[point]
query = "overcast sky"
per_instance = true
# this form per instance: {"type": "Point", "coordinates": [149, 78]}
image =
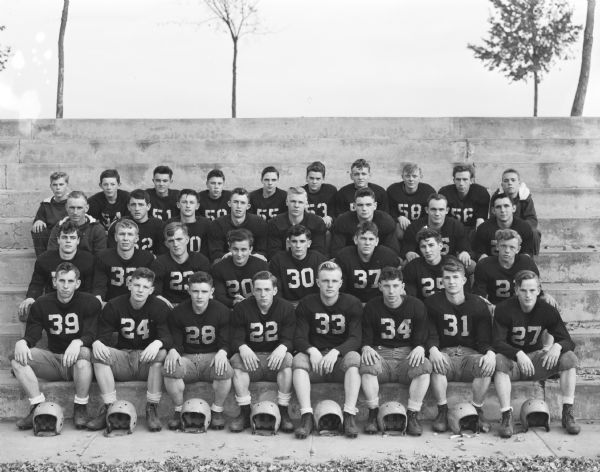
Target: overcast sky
{"type": "Point", "coordinates": [162, 59]}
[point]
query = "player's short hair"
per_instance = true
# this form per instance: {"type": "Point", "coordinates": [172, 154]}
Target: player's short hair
{"type": "Point", "coordinates": [507, 235]}
{"type": "Point", "coordinates": [298, 230]}
{"type": "Point", "coordinates": [470, 168]}
{"type": "Point", "coordinates": [452, 264]}
{"type": "Point", "coordinates": [68, 227]}
{"type": "Point", "coordinates": [360, 164]}
{"type": "Point", "coordinates": [215, 173]}
{"type": "Point", "coordinates": [240, 191]}
{"type": "Point", "coordinates": [173, 226]}
{"type": "Point", "coordinates": [126, 223]}
{"type": "Point", "coordinates": [77, 194]}
{"type": "Point", "coordinates": [499, 196]}
{"type": "Point", "coordinates": [411, 167]}
{"type": "Point", "coordinates": [268, 169]}
{"type": "Point", "coordinates": [296, 191]}
{"type": "Point", "coordinates": [139, 194]}
{"type": "Point", "coordinates": [239, 235]}
{"type": "Point", "coordinates": [316, 166]}
{"type": "Point", "coordinates": [328, 266]}
{"type": "Point", "coordinates": [511, 170]}
{"type": "Point", "coordinates": [426, 233]}
{"type": "Point", "coordinates": [390, 273]}
{"type": "Point", "coordinates": [67, 267]}
{"type": "Point", "coordinates": [144, 273]}
{"type": "Point", "coordinates": [163, 170]}
{"type": "Point", "coordinates": [436, 196]}
{"type": "Point", "coordinates": [110, 174]}
{"type": "Point", "coordinates": [200, 277]}
{"type": "Point", "coordinates": [264, 275]}
{"type": "Point", "coordinates": [187, 191]}
{"type": "Point", "coordinates": [59, 175]}
{"type": "Point", "coordinates": [366, 227]}
{"type": "Point", "coordinates": [364, 192]}
{"type": "Point", "coordinates": [523, 275]}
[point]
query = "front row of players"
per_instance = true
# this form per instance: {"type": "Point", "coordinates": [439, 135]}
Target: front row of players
{"type": "Point", "coordinates": [200, 341]}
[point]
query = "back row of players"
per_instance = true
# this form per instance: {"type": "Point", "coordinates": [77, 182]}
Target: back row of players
{"type": "Point", "coordinates": [300, 273]}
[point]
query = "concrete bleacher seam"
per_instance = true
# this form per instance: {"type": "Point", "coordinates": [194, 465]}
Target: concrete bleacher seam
{"type": "Point", "coordinates": [559, 159]}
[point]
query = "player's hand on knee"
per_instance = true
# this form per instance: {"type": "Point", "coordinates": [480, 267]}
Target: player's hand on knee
{"type": "Point", "coordinates": [72, 353]}
{"type": "Point", "coordinates": [550, 359]}
{"type": "Point", "coordinates": [220, 362]}
{"type": "Point", "coordinates": [249, 358]}
{"type": "Point", "coordinates": [172, 360]}
{"type": "Point", "coordinates": [525, 365]}
{"type": "Point", "coordinates": [369, 355]}
{"type": "Point", "coordinates": [315, 359]}
{"type": "Point", "coordinates": [416, 356]}
{"type": "Point", "coordinates": [101, 352]}
{"type": "Point", "coordinates": [24, 307]}
{"type": "Point", "coordinates": [275, 360]}
{"type": "Point", "coordinates": [328, 361]}
{"type": "Point", "coordinates": [22, 352]}
{"type": "Point", "coordinates": [487, 363]}
{"type": "Point", "coordinates": [149, 354]}
{"type": "Point", "coordinates": [437, 360]}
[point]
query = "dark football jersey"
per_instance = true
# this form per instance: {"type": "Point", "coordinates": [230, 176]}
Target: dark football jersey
{"type": "Point", "coordinates": [404, 326]}
{"type": "Point", "coordinates": [45, 265]}
{"type": "Point", "coordinates": [422, 279]}
{"type": "Point", "coordinates": [63, 322]}
{"type": "Point", "coordinates": [454, 239]}
{"type": "Point", "coordinates": [200, 334]}
{"type": "Point", "coordinates": [136, 328]}
{"type": "Point", "coordinates": [485, 237]}
{"type": "Point", "coordinates": [231, 280]}
{"type": "Point", "coordinates": [198, 233]}
{"type": "Point", "coordinates": [112, 273]}
{"type": "Point", "coordinates": [217, 234]}
{"type": "Point", "coordinates": [269, 207]}
{"type": "Point", "coordinates": [107, 213]}
{"type": "Point", "coordinates": [516, 331]}
{"type": "Point", "coordinates": [277, 232]}
{"type": "Point", "coordinates": [163, 208]}
{"type": "Point", "coordinates": [171, 277]}
{"type": "Point", "coordinates": [326, 327]}
{"type": "Point", "coordinates": [262, 333]}
{"type": "Point", "coordinates": [296, 278]}
{"type": "Point", "coordinates": [467, 210]}
{"type": "Point", "coordinates": [344, 198]}
{"type": "Point", "coordinates": [150, 236]}
{"type": "Point", "coordinates": [344, 228]}
{"type": "Point", "coordinates": [468, 324]}
{"type": "Point", "coordinates": [321, 203]}
{"type": "Point", "coordinates": [213, 208]}
{"type": "Point", "coordinates": [494, 282]}
{"type": "Point", "coordinates": [410, 205]}
{"type": "Point", "coordinates": [361, 279]}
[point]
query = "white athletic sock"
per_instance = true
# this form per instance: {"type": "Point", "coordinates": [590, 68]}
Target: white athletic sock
{"type": "Point", "coordinates": [81, 400]}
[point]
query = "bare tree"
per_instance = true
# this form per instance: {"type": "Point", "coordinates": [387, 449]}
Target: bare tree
{"type": "Point", "coordinates": [239, 18]}
{"type": "Point", "coordinates": [61, 59]}
{"type": "Point", "coordinates": [4, 52]}
{"type": "Point", "coordinates": [586, 60]}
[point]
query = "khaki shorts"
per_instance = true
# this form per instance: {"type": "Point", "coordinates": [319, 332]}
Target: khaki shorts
{"type": "Point", "coordinates": [126, 365]}
{"type": "Point", "coordinates": [263, 373]}
{"type": "Point", "coordinates": [197, 367]}
{"type": "Point", "coordinates": [351, 359]}
{"type": "Point", "coordinates": [393, 366]}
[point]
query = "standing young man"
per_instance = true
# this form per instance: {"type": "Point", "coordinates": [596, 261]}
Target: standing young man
{"type": "Point", "coordinates": [110, 204]}
{"type": "Point", "coordinates": [214, 201]}
{"type": "Point", "coordinates": [197, 226]}
{"type": "Point", "coordinates": [268, 201]}
{"type": "Point", "coordinates": [319, 193]}
{"type": "Point", "coordinates": [360, 174]}
{"type": "Point", "coordinates": [163, 199]}
{"type": "Point", "coordinates": [50, 211]}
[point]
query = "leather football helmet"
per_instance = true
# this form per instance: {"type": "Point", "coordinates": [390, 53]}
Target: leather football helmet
{"type": "Point", "coordinates": [534, 413]}
{"type": "Point", "coordinates": [463, 416]}
{"type": "Point", "coordinates": [48, 419]}
{"type": "Point", "coordinates": [329, 419]}
{"type": "Point", "coordinates": [265, 418]}
{"type": "Point", "coordinates": [121, 418]}
{"type": "Point", "coordinates": [195, 416]}
{"type": "Point", "coordinates": [391, 418]}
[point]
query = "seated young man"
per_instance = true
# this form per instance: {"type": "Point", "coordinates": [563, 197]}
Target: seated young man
{"type": "Point", "coordinates": [239, 217]}
{"type": "Point", "coordinates": [50, 211]}
{"type": "Point", "coordinates": [460, 342]}
{"type": "Point", "coordinates": [408, 199]}
{"type": "Point", "coordinates": [233, 275]}
{"type": "Point", "coordinates": [262, 332]}
{"type": "Point", "coordinates": [423, 275]}
{"type": "Point", "coordinates": [197, 226]}
{"type": "Point", "coordinates": [394, 332]}
{"type": "Point", "coordinates": [328, 336]}
{"type": "Point", "coordinates": [319, 193]}
{"type": "Point", "coordinates": [214, 201]}
{"type": "Point", "coordinates": [115, 265]}
{"type": "Point", "coordinates": [518, 325]}
{"type": "Point", "coordinates": [110, 204]}
{"type": "Point", "coordinates": [69, 319]}
{"type": "Point", "coordinates": [361, 264]}
{"type": "Point", "coordinates": [163, 199]}
{"type": "Point", "coordinates": [503, 217]}
{"type": "Point", "coordinates": [360, 174]}
{"type": "Point", "coordinates": [150, 229]}
{"type": "Point", "coordinates": [296, 214]}
{"type": "Point", "coordinates": [268, 201]}
{"type": "Point", "coordinates": [344, 227]}
{"type": "Point", "coordinates": [200, 330]}
{"type": "Point", "coordinates": [296, 267]}
{"type": "Point", "coordinates": [173, 268]}
{"type": "Point", "coordinates": [45, 267]}
{"type": "Point", "coordinates": [140, 320]}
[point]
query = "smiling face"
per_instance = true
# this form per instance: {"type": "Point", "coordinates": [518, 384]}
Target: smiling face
{"type": "Point", "coordinates": [188, 205]}
{"type": "Point", "coordinates": [240, 252]}
{"type": "Point", "coordinates": [162, 183]}
{"type": "Point", "coordinates": [411, 180]}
